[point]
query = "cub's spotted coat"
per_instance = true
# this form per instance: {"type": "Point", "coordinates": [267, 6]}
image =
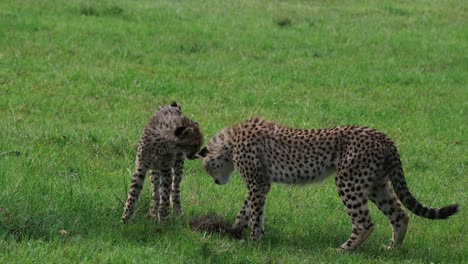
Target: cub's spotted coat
{"type": "Point", "coordinates": [366, 162]}
{"type": "Point", "coordinates": [167, 139]}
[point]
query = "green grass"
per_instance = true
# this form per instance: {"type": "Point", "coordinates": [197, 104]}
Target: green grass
{"type": "Point", "coordinates": [79, 79]}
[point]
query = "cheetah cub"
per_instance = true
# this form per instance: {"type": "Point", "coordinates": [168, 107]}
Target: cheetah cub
{"type": "Point", "coordinates": [366, 162]}
{"type": "Point", "coordinates": [168, 138]}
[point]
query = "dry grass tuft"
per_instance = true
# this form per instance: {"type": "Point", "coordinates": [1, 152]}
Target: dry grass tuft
{"type": "Point", "coordinates": [212, 223]}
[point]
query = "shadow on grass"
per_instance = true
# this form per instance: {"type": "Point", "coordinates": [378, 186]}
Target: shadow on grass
{"type": "Point", "coordinates": [319, 243]}
{"type": "Point", "coordinates": [143, 231]}
{"type": "Point", "coordinates": [315, 242]}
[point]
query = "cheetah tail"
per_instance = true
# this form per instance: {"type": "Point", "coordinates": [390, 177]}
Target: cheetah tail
{"type": "Point", "coordinates": [399, 184]}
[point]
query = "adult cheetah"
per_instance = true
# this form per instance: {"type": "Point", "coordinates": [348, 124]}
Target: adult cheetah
{"type": "Point", "coordinates": [168, 138]}
{"type": "Point", "coordinates": [366, 162]}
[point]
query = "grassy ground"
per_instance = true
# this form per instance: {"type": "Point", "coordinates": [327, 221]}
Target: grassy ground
{"type": "Point", "coordinates": [79, 79]}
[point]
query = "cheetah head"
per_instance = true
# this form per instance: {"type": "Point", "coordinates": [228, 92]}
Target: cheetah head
{"type": "Point", "coordinates": [189, 140]}
{"type": "Point", "coordinates": [217, 163]}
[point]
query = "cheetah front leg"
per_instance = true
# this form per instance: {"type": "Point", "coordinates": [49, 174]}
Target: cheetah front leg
{"type": "Point", "coordinates": [165, 181]}
{"type": "Point", "coordinates": [257, 205]}
{"type": "Point", "coordinates": [178, 173]}
{"type": "Point", "coordinates": [136, 186]}
{"type": "Point", "coordinates": [243, 217]}
{"type": "Point", "coordinates": [153, 210]}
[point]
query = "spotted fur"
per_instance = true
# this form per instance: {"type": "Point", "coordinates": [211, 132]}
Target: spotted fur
{"type": "Point", "coordinates": [168, 138]}
{"type": "Point", "coordinates": [366, 162]}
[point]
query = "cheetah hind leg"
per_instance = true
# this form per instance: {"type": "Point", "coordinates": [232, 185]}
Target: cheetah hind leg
{"type": "Point", "coordinates": [136, 186]}
{"type": "Point", "coordinates": [385, 199]}
{"type": "Point", "coordinates": [361, 221]}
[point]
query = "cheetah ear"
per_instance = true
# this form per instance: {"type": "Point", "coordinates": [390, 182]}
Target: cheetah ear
{"type": "Point", "coordinates": [183, 131]}
{"type": "Point", "coordinates": [203, 152]}
{"type": "Point", "coordinates": [174, 104]}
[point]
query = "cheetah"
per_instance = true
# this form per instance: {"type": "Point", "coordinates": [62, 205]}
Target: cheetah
{"type": "Point", "coordinates": [366, 162]}
{"type": "Point", "coordinates": [168, 138]}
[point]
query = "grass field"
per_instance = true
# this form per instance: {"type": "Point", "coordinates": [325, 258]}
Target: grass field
{"type": "Point", "coordinates": [79, 80]}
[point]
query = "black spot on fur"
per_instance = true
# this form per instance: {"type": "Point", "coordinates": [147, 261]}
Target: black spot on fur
{"type": "Point", "coordinates": [180, 130]}
{"type": "Point", "coordinates": [203, 152]}
{"type": "Point", "coordinates": [174, 104]}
